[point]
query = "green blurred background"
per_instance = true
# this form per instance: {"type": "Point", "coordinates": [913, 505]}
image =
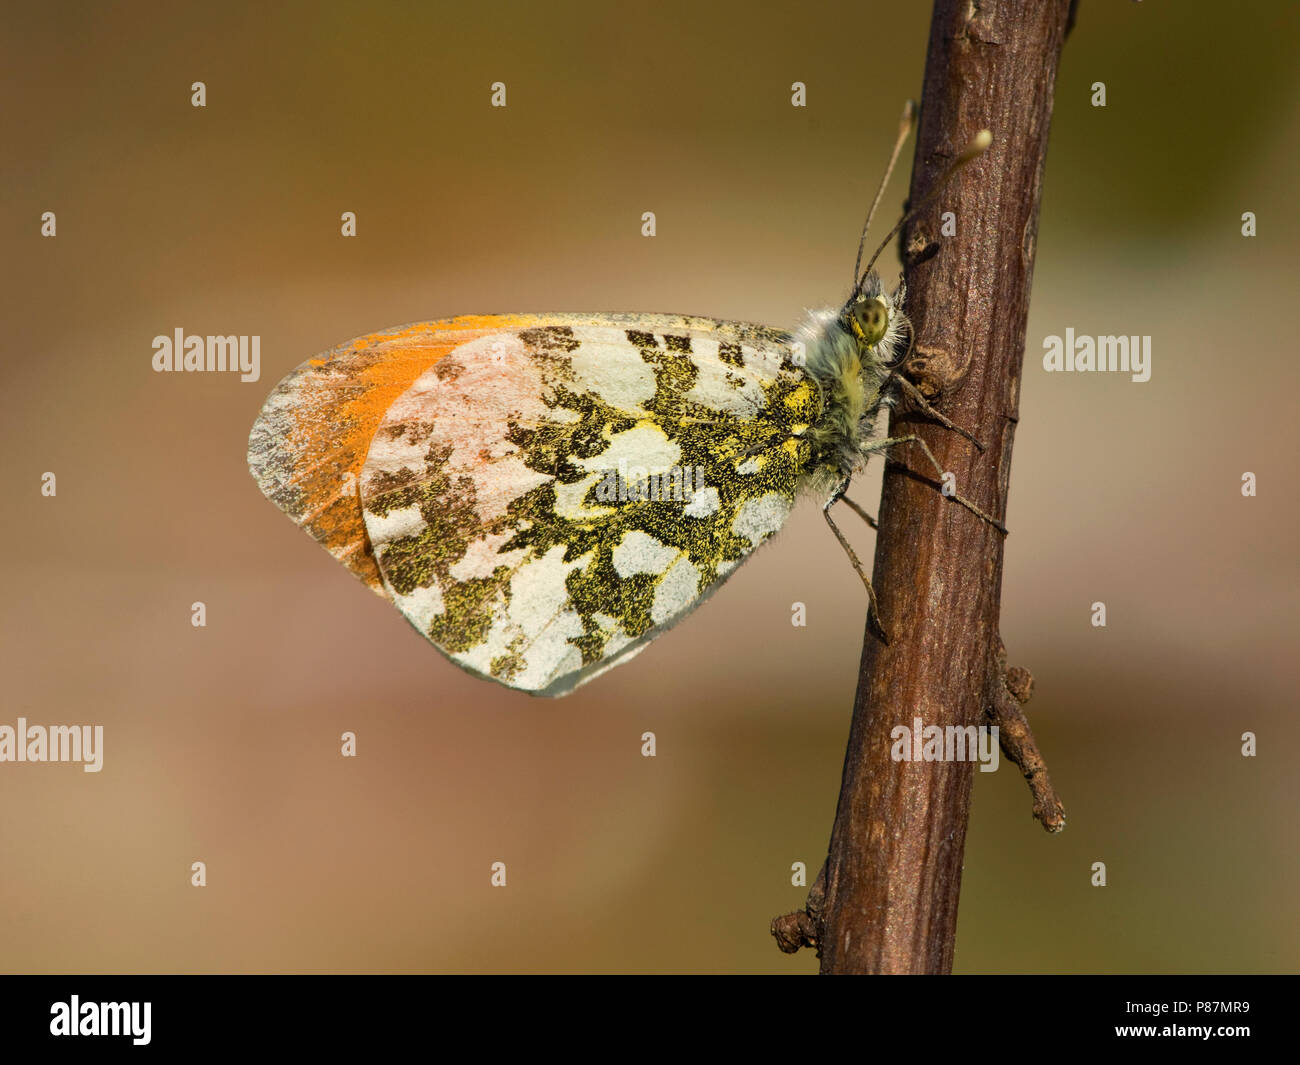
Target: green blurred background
{"type": "Point", "coordinates": [222, 743]}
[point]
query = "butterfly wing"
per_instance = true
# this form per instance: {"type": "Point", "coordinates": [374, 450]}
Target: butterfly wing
{"type": "Point", "coordinates": [508, 494]}
{"type": "Point", "coordinates": [309, 442]}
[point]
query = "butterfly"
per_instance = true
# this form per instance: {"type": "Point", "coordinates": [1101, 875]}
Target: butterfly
{"type": "Point", "coordinates": [541, 495]}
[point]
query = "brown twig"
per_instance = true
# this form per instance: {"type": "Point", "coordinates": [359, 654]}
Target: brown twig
{"type": "Point", "coordinates": [886, 900]}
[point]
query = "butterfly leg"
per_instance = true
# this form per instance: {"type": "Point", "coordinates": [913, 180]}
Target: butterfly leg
{"type": "Point", "coordinates": [888, 442]}
{"type": "Point", "coordinates": [873, 616]}
{"type": "Point", "coordinates": [860, 512]}
{"type": "Point", "coordinates": [922, 404]}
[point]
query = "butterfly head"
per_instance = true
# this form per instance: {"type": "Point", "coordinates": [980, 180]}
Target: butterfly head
{"type": "Point", "coordinates": [875, 320]}
{"type": "Point", "coordinates": [867, 318]}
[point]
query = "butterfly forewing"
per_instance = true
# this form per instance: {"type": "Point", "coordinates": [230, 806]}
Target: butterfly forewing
{"type": "Point", "coordinates": [309, 442]}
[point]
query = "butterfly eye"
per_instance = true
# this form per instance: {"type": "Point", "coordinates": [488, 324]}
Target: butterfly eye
{"type": "Point", "coordinates": [871, 320]}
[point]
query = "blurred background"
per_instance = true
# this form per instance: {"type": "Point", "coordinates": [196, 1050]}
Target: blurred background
{"type": "Point", "coordinates": [222, 743]}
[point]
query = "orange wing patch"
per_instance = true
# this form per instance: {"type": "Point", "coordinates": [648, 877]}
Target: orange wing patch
{"type": "Point", "coordinates": [310, 441]}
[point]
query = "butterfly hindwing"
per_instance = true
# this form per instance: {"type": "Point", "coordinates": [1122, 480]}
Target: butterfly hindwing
{"type": "Point", "coordinates": [547, 496]}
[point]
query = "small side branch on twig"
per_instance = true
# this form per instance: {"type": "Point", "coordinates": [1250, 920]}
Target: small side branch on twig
{"type": "Point", "coordinates": [803, 928]}
{"type": "Point", "coordinates": [1011, 690]}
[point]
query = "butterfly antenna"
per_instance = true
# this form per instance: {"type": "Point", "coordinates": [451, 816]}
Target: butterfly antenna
{"type": "Point", "coordinates": [974, 150]}
{"type": "Point", "coordinates": [905, 125]}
